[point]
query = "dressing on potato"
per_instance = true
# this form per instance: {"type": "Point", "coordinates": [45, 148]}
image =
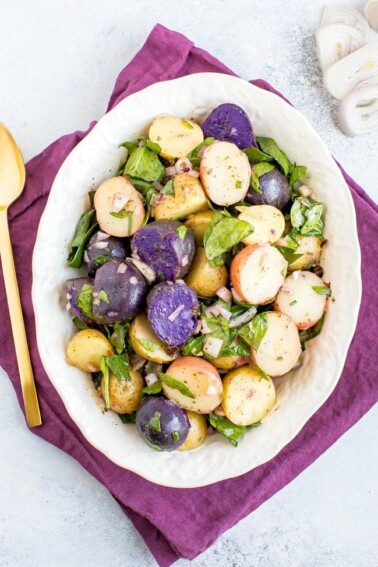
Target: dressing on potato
{"type": "Point", "coordinates": [188, 198]}
{"type": "Point", "coordinates": [124, 395]}
{"type": "Point", "coordinates": [86, 348]}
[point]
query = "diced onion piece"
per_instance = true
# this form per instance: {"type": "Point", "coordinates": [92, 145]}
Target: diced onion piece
{"type": "Point", "coordinates": [170, 171]}
{"type": "Point", "coordinates": [225, 294]}
{"type": "Point", "coordinates": [226, 314]}
{"type": "Point", "coordinates": [119, 202]}
{"type": "Point", "coordinates": [183, 165]}
{"type": "Point", "coordinates": [144, 269]}
{"type": "Point", "coordinates": [243, 318]}
{"type": "Point", "coordinates": [358, 69]}
{"type": "Point", "coordinates": [303, 191]}
{"type": "Point", "coordinates": [219, 411]}
{"type": "Point", "coordinates": [358, 112]}
{"type": "Point", "coordinates": [173, 316]}
{"type": "Point", "coordinates": [121, 268]}
{"type": "Point", "coordinates": [151, 379]}
{"type": "Point", "coordinates": [133, 280]}
{"type": "Point", "coordinates": [193, 173]}
{"type": "Point", "coordinates": [235, 295]}
{"type": "Point", "coordinates": [371, 13]}
{"type": "Point", "coordinates": [213, 346]}
{"type": "Point", "coordinates": [102, 236]}
{"type": "Point", "coordinates": [101, 245]}
{"type": "Point", "coordinates": [339, 14]}
{"type": "Point", "coordinates": [336, 41]}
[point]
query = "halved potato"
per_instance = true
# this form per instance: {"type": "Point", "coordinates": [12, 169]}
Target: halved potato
{"type": "Point", "coordinates": [176, 136]}
{"type": "Point", "coordinates": [86, 348]}
{"type": "Point", "coordinates": [189, 198]}
{"type": "Point", "coordinates": [197, 431]}
{"type": "Point", "coordinates": [124, 395]}
{"type": "Point", "coordinates": [201, 378]}
{"type": "Point", "coordinates": [203, 278]}
{"type": "Point", "coordinates": [310, 248]}
{"type": "Point", "coordinates": [198, 224]}
{"type": "Point", "coordinates": [249, 395]}
{"type": "Point", "coordinates": [119, 207]}
{"type": "Point", "coordinates": [268, 223]}
{"type": "Point", "coordinates": [146, 343]}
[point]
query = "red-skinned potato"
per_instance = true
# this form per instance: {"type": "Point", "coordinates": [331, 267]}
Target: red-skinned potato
{"type": "Point", "coordinates": [257, 273]}
{"type": "Point", "coordinates": [201, 378]}
{"type": "Point", "coordinates": [119, 207]}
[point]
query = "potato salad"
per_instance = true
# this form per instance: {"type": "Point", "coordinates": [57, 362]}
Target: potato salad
{"type": "Point", "coordinates": [203, 279]}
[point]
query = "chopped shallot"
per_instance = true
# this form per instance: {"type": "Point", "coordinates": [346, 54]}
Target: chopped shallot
{"type": "Point", "coordinates": [119, 202]}
{"type": "Point", "coordinates": [151, 379]}
{"type": "Point", "coordinates": [183, 165]}
{"type": "Point", "coordinates": [213, 346]}
{"type": "Point", "coordinates": [91, 368]}
{"type": "Point", "coordinates": [304, 191]}
{"type": "Point", "coordinates": [170, 171]}
{"type": "Point", "coordinates": [219, 411]}
{"type": "Point", "coordinates": [145, 269]}
{"type": "Point", "coordinates": [101, 245]}
{"type": "Point", "coordinates": [102, 236]}
{"type": "Point", "coordinates": [193, 173]}
{"type": "Point", "coordinates": [173, 316]}
{"type": "Point", "coordinates": [137, 362]}
{"type": "Point", "coordinates": [185, 260]}
{"type": "Point", "coordinates": [133, 280]}
{"type": "Point", "coordinates": [225, 294]}
{"type": "Point", "coordinates": [121, 268]}
{"type": "Point", "coordinates": [243, 318]}
{"type": "Point", "coordinates": [113, 314]}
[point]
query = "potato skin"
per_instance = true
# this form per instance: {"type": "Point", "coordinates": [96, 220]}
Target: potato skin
{"type": "Point", "coordinates": [199, 223]}
{"type": "Point", "coordinates": [141, 330]}
{"type": "Point", "coordinates": [125, 395]}
{"type": "Point", "coordinates": [204, 279]}
{"type": "Point", "coordinates": [249, 395]}
{"type": "Point", "coordinates": [86, 348]}
{"type": "Point", "coordinates": [197, 432]}
{"type": "Point", "coordinates": [189, 198]}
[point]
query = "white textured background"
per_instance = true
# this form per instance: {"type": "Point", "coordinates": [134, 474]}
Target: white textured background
{"type": "Point", "coordinates": [58, 63]}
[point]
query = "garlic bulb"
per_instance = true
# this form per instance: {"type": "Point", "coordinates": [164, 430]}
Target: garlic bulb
{"type": "Point", "coordinates": [336, 41]}
{"type": "Point", "coordinates": [358, 111]}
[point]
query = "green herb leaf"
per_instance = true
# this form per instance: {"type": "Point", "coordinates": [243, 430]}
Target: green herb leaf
{"type": "Point", "coordinates": [181, 231]}
{"type": "Point", "coordinates": [254, 331]}
{"type": "Point", "coordinates": [153, 389]}
{"type": "Point", "coordinates": [91, 195]}
{"type": "Point", "coordinates": [79, 324]}
{"type": "Point", "coordinates": [169, 188]}
{"type": "Point", "coordinates": [187, 124]}
{"type": "Point", "coordinates": [121, 214]}
{"type": "Point", "coordinates": [85, 301]}
{"type": "Point", "coordinates": [149, 346]}
{"type": "Point", "coordinates": [101, 260]}
{"type": "Point", "coordinates": [175, 436]}
{"type": "Point", "coordinates": [119, 365]}
{"type": "Point", "coordinates": [105, 376]}
{"type": "Point", "coordinates": [298, 172]}
{"type": "Point", "coordinates": [312, 332]}
{"type": "Point", "coordinates": [257, 171]}
{"type": "Point", "coordinates": [130, 146]}
{"type": "Point", "coordinates": [103, 296]}
{"type": "Point", "coordinates": [322, 289]}
{"type": "Point", "coordinates": [291, 242]}
{"type": "Point", "coordinates": [176, 384]}
{"type": "Point", "coordinates": [193, 155]}
{"type": "Point", "coordinates": [288, 254]}
{"type": "Point", "coordinates": [306, 216]}
{"type": "Point", "coordinates": [86, 226]}
{"type": "Point", "coordinates": [155, 422]}
{"type": "Point", "coordinates": [147, 191]}
{"type": "Point", "coordinates": [118, 337]}
{"type": "Point", "coordinates": [144, 164]}
{"type": "Point", "coordinates": [234, 433]}
{"type": "Point", "coordinates": [194, 346]}
{"type": "Point", "coordinates": [269, 146]}
{"type": "Point", "coordinates": [293, 302]}
{"type": "Point", "coordinates": [256, 156]}
{"type": "Point", "coordinates": [153, 146]}
{"type": "Point", "coordinates": [262, 374]}
{"type": "Point", "coordinates": [127, 417]}
{"type": "Point", "coordinates": [297, 217]}
{"type": "Point", "coordinates": [224, 233]}
{"type": "Point", "coordinates": [238, 349]}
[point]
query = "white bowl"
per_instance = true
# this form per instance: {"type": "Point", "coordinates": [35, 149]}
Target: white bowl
{"type": "Point", "coordinates": [301, 392]}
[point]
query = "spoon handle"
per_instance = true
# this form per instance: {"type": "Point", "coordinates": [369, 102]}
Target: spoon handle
{"type": "Point", "coordinates": [33, 415]}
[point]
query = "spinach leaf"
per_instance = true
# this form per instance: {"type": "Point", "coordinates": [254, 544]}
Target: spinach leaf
{"type": "Point", "coordinates": [130, 146]}
{"type": "Point", "coordinates": [224, 232]}
{"type": "Point", "coordinates": [169, 188]}
{"type": "Point", "coordinates": [101, 260]}
{"type": "Point", "coordinates": [105, 373]}
{"type": "Point", "coordinates": [153, 389]}
{"type": "Point", "coordinates": [291, 242]}
{"type": "Point", "coordinates": [254, 331]}
{"type": "Point", "coordinates": [153, 146]}
{"type": "Point", "coordinates": [181, 231]}
{"type": "Point", "coordinates": [269, 146]}
{"type": "Point", "coordinates": [194, 346]}
{"type": "Point", "coordinates": [147, 191]}
{"type": "Point", "coordinates": [322, 289]}
{"type": "Point", "coordinates": [155, 422]}
{"type": "Point", "coordinates": [238, 349]}
{"type": "Point", "coordinates": [86, 226]}
{"type": "Point", "coordinates": [144, 164]}
{"type": "Point", "coordinates": [234, 433]}
{"type": "Point", "coordinates": [257, 171]}
{"type": "Point", "coordinates": [103, 296]}
{"type": "Point", "coordinates": [298, 172]}
{"type": "Point", "coordinates": [306, 216]}
{"type": "Point", "coordinates": [312, 332]}
{"type": "Point", "coordinates": [79, 324]}
{"type": "Point", "coordinates": [288, 254]}
{"type": "Point", "coordinates": [128, 417]}
{"type": "Point", "coordinates": [256, 156]}
{"type": "Point", "coordinates": [91, 195]}
{"type": "Point", "coordinates": [119, 365]}
{"type": "Point", "coordinates": [193, 155]}
{"type": "Point", "coordinates": [85, 301]}
{"type": "Point", "coordinates": [118, 337]}
{"type": "Point", "coordinates": [176, 384]}
{"type": "Point", "coordinates": [149, 346]}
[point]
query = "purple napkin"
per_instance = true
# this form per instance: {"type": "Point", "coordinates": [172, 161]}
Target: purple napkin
{"type": "Point", "coordinates": [182, 523]}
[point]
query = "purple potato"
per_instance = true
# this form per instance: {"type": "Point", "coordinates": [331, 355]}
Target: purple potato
{"type": "Point", "coordinates": [275, 190]}
{"type": "Point", "coordinates": [161, 246]}
{"type": "Point", "coordinates": [119, 292]}
{"type": "Point", "coordinates": [162, 424]}
{"type": "Point", "coordinates": [172, 312]}
{"type": "Point", "coordinates": [74, 288]}
{"type": "Point", "coordinates": [101, 248]}
{"type": "Point", "coordinates": [229, 123]}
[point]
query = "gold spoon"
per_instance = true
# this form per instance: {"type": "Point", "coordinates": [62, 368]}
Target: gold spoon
{"type": "Point", "coordinates": [12, 181]}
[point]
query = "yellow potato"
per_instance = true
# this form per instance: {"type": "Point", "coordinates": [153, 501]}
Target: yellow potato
{"type": "Point", "coordinates": [146, 343]}
{"type": "Point", "coordinates": [125, 395]}
{"type": "Point", "coordinates": [86, 348]}
{"type": "Point", "coordinates": [268, 223]}
{"type": "Point", "coordinates": [189, 198]}
{"type": "Point", "coordinates": [197, 432]}
{"type": "Point", "coordinates": [310, 248]}
{"type": "Point", "coordinates": [249, 395]}
{"type": "Point", "coordinates": [203, 278]}
{"type": "Point", "coordinates": [198, 224]}
{"type": "Point", "coordinates": [176, 136]}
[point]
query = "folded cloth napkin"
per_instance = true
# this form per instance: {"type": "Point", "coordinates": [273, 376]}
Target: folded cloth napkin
{"type": "Point", "coordinates": [175, 522]}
